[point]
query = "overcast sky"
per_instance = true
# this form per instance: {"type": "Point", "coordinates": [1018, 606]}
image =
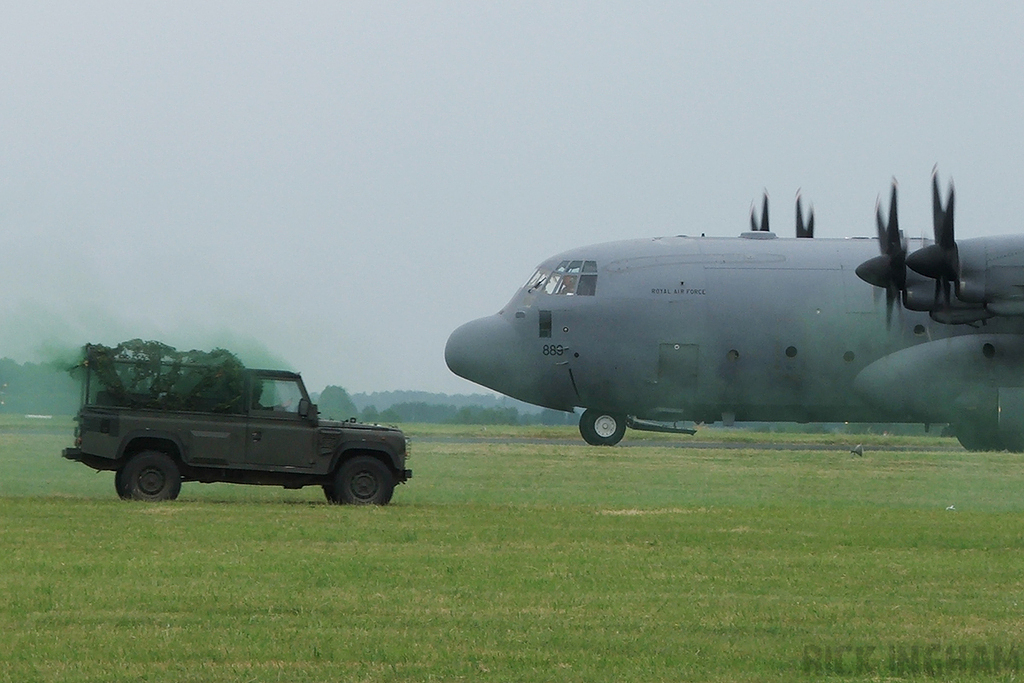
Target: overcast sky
{"type": "Point", "coordinates": [334, 187]}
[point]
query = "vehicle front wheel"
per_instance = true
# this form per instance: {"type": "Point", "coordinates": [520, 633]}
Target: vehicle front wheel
{"type": "Point", "coordinates": [602, 429]}
{"type": "Point", "coordinates": [363, 480]}
{"type": "Point", "coordinates": [150, 476]}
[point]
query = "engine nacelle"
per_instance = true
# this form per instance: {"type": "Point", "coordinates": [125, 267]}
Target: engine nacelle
{"type": "Point", "coordinates": [992, 273]}
{"type": "Point", "coordinates": [921, 295]}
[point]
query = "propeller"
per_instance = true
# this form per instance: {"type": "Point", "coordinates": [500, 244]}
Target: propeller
{"type": "Point", "coordinates": [763, 227]}
{"type": "Point", "coordinates": [801, 229]}
{"type": "Point", "coordinates": [887, 271]}
{"type": "Point", "coordinates": [939, 261]}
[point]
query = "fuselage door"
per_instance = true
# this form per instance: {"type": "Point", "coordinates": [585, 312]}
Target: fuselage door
{"type": "Point", "coordinates": [677, 366]}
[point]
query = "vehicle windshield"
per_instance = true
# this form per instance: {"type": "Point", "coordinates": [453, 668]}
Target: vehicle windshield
{"type": "Point", "coordinates": [278, 395]}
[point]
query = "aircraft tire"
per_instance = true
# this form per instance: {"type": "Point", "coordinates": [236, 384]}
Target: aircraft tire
{"type": "Point", "coordinates": [364, 480]}
{"type": "Point", "coordinates": [599, 428]}
{"type": "Point", "coordinates": [975, 437]}
{"type": "Point", "coordinates": [1013, 444]}
{"type": "Point", "coordinates": [151, 476]}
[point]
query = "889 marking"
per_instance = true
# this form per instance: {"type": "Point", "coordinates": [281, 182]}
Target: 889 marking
{"type": "Point", "coordinates": [553, 350]}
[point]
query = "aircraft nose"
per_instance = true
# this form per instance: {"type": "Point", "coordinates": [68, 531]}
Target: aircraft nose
{"type": "Point", "coordinates": [478, 351]}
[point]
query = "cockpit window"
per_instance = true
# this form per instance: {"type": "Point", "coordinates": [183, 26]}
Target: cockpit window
{"type": "Point", "coordinates": [587, 285]}
{"type": "Point", "coordinates": [554, 280]}
{"type": "Point", "coordinates": [537, 279]}
{"type": "Point", "coordinates": [567, 285]}
{"type": "Point", "coordinates": [570, 278]}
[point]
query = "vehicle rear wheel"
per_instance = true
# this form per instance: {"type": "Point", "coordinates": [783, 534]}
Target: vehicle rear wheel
{"type": "Point", "coordinates": [602, 429]}
{"type": "Point", "coordinates": [364, 480]}
{"type": "Point", "coordinates": [122, 491]}
{"type": "Point", "coordinates": [151, 476]}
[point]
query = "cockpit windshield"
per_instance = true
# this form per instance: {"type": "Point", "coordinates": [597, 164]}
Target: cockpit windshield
{"type": "Point", "coordinates": [570, 278]}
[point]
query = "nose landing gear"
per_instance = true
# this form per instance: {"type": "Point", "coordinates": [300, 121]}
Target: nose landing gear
{"type": "Point", "coordinates": [599, 428]}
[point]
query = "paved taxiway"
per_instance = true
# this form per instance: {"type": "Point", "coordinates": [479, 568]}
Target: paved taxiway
{"type": "Point", "coordinates": [712, 445]}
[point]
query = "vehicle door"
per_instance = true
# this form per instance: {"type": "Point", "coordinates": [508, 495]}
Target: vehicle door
{"type": "Point", "coordinates": [215, 439]}
{"type": "Point", "coordinates": [279, 437]}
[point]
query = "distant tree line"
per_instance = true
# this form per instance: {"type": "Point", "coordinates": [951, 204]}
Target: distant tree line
{"type": "Point", "coordinates": [49, 389]}
{"type": "Point", "coordinates": [383, 400]}
{"type": "Point", "coordinates": [335, 404]}
{"type": "Point", "coordinates": [476, 415]}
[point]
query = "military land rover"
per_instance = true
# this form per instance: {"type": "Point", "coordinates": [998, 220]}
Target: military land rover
{"type": "Point", "coordinates": [158, 417]}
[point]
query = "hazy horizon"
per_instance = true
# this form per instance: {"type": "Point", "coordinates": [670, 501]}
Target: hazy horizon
{"type": "Point", "coordinates": [333, 188]}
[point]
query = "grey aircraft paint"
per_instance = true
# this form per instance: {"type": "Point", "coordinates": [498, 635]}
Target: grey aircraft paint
{"type": "Point", "coordinates": [760, 328]}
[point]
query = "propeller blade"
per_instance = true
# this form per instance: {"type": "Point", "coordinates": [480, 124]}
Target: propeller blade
{"type": "Point", "coordinates": [942, 218]}
{"type": "Point", "coordinates": [882, 232]}
{"type": "Point", "coordinates": [941, 260]}
{"type": "Point", "coordinates": [893, 235]}
{"type": "Point", "coordinates": [938, 214]}
{"type": "Point", "coordinates": [947, 241]}
{"type": "Point", "coordinates": [889, 270]}
{"type": "Point", "coordinates": [801, 229]}
{"type": "Point", "coordinates": [763, 226]}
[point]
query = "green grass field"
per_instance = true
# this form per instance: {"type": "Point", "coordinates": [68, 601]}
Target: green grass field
{"type": "Point", "coordinates": [547, 561]}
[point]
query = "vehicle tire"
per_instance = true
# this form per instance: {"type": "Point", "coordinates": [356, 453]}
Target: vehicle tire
{"type": "Point", "coordinates": [329, 494]}
{"type": "Point", "coordinates": [602, 429]}
{"type": "Point", "coordinates": [122, 491]}
{"type": "Point", "coordinates": [364, 480]}
{"type": "Point", "coordinates": [151, 476]}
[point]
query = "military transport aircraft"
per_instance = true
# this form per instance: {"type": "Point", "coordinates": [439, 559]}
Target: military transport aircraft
{"type": "Point", "coordinates": [648, 333]}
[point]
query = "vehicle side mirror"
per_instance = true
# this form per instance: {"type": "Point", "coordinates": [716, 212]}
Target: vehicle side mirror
{"type": "Point", "coordinates": [308, 410]}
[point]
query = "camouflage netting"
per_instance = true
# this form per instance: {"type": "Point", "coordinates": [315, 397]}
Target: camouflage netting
{"type": "Point", "coordinates": [150, 374]}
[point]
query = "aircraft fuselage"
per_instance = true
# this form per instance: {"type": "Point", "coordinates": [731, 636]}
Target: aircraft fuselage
{"type": "Point", "coordinates": [751, 328]}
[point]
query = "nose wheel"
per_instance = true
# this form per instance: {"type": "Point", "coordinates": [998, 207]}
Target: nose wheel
{"type": "Point", "coordinates": [599, 428]}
